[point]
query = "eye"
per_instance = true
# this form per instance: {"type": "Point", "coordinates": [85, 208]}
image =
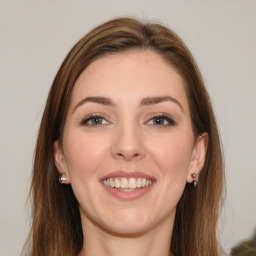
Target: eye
{"type": "Point", "coordinates": [161, 120]}
{"type": "Point", "coordinates": [94, 120]}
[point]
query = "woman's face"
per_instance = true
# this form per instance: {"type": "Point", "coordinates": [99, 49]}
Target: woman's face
{"type": "Point", "coordinates": [128, 148]}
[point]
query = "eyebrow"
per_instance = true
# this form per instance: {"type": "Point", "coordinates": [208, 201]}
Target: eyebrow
{"type": "Point", "coordinates": [155, 100]}
{"type": "Point", "coordinates": [100, 100]}
{"type": "Point", "coordinates": [144, 102]}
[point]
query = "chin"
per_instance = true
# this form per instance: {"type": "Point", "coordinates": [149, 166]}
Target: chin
{"type": "Point", "coordinates": [125, 229]}
{"type": "Point", "coordinates": [129, 223]}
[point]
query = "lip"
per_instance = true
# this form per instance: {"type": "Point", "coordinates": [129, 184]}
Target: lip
{"type": "Point", "coordinates": [123, 174]}
{"type": "Point", "coordinates": [127, 195]}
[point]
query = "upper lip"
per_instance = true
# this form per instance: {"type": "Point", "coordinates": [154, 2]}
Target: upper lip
{"type": "Point", "coordinates": [124, 174]}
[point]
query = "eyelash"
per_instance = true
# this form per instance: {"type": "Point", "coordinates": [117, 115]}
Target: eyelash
{"type": "Point", "coordinates": [161, 117]}
{"type": "Point", "coordinates": [164, 118]}
{"type": "Point", "coordinates": [90, 118]}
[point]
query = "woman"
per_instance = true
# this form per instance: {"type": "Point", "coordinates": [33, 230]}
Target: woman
{"type": "Point", "coordinates": [127, 128]}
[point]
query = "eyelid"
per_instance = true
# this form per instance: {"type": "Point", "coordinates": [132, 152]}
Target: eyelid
{"type": "Point", "coordinates": [165, 116]}
{"type": "Point", "coordinates": [91, 116]}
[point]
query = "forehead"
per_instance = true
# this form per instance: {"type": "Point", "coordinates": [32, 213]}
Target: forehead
{"type": "Point", "coordinates": [130, 76]}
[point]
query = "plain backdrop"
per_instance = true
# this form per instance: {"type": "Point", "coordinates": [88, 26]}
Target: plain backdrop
{"type": "Point", "coordinates": [35, 36]}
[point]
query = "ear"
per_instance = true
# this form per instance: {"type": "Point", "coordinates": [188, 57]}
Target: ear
{"type": "Point", "coordinates": [198, 156]}
{"type": "Point", "coordinates": [60, 162]}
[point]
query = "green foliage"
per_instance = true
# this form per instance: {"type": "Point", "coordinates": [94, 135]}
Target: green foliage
{"type": "Point", "coordinates": [246, 248]}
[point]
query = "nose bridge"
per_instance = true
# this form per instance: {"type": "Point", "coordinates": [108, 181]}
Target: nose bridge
{"type": "Point", "coordinates": [128, 140]}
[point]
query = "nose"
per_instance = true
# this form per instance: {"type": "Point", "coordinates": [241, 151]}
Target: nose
{"type": "Point", "coordinates": [128, 143]}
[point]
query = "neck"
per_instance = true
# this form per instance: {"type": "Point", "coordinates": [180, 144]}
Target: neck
{"type": "Point", "coordinates": [155, 241]}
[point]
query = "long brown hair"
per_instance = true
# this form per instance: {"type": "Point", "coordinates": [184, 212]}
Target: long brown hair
{"type": "Point", "coordinates": [56, 227]}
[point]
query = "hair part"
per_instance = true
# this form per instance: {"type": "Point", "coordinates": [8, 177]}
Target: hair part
{"type": "Point", "coordinates": [56, 227]}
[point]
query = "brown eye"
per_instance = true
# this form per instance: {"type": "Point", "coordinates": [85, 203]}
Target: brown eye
{"type": "Point", "coordinates": [94, 121]}
{"type": "Point", "coordinates": [161, 120]}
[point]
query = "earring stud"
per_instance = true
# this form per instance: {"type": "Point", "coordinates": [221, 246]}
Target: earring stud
{"type": "Point", "coordinates": [195, 178]}
{"type": "Point", "coordinates": [62, 178]}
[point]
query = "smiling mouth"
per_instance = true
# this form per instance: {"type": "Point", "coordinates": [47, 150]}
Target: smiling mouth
{"type": "Point", "coordinates": [127, 184]}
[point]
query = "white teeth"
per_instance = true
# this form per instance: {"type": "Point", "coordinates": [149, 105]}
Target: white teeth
{"type": "Point", "coordinates": [139, 183]}
{"type": "Point", "coordinates": [127, 184]}
{"type": "Point", "coordinates": [132, 183]}
{"type": "Point", "coordinates": [117, 183]}
{"type": "Point", "coordinates": [112, 183]}
{"type": "Point", "coordinates": [124, 183]}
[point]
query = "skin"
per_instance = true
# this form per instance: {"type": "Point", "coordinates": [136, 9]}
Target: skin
{"type": "Point", "coordinates": [129, 137]}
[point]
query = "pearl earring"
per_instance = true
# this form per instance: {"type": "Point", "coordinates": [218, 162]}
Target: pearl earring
{"type": "Point", "coordinates": [195, 178]}
{"type": "Point", "coordinates": [62, 178]}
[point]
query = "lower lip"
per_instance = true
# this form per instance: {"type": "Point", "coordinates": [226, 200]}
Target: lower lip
{"type": "Point", "coordinates": [128, 195]}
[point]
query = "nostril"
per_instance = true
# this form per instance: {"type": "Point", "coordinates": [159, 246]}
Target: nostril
{"type": "Point", "coordinates": [128, 148]}
{"type": "Point", "coordinates": [128, 156]}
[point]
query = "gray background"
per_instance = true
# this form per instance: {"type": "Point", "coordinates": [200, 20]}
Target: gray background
{"type": "Point", "coordinates": [35, 37]}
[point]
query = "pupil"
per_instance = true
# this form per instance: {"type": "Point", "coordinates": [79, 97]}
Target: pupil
{"type": "Point", "coordinates": [97, 120]}
{"type": "Point", "coordinates": [159, 121]}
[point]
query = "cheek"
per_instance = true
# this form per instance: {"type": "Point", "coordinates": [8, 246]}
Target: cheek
{"type": "Point", "coordinates": [171, 157]}
{"type": "Point", "coordinates": [84, 154]}
{"type": "Point", "coordinates": [173, 153]}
